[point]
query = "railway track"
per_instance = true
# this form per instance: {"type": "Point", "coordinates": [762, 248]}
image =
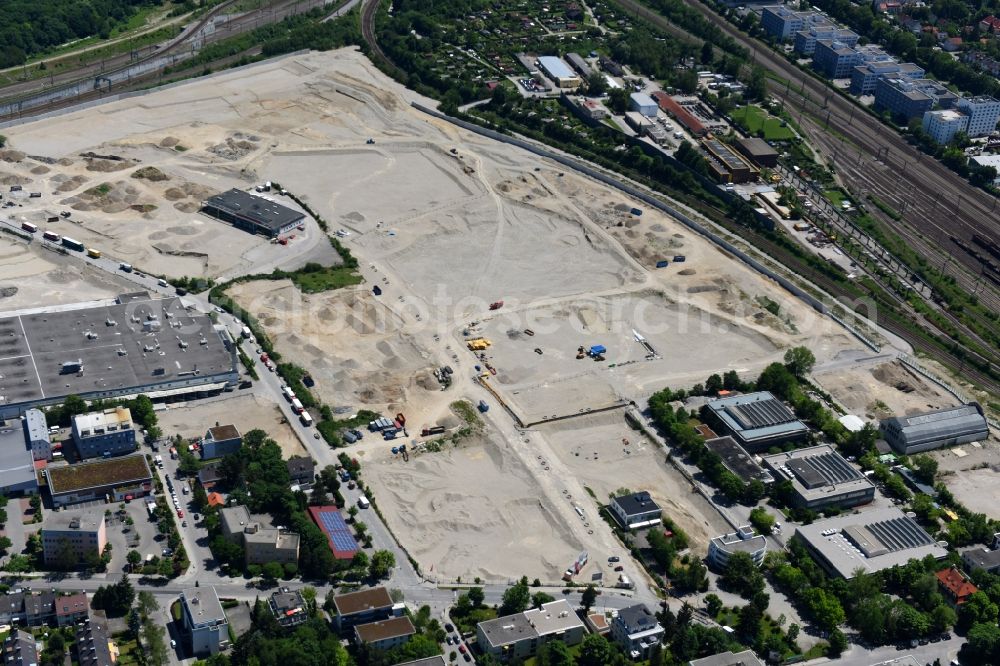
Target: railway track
{"type": "Point", "coordinates": [942, 203]}
{"type": "Point", "coordinates": [89, 86]}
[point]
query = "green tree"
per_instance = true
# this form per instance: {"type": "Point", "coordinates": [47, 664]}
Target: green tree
{"type": "Point", "coordinates": [713, 604]}
{"type": "Point", "coordinates": [155, 646]}
{"type": "Point", "coordinates": [588, 598]}
{"type": "Point", "coordinates": [838, 643]}
{"type": "Point", "coordinates": [476, 596]}
{"type": "Point", "coordinates": [146, 603]}
{"type": "Point", "coordinates": [382, 563]}
{"type": "Point", "coordinates": [272, 571]}
{"type": "Point", "coordinates": [133, 558]}
{"type": "Point", "coordinates": [707, 53]}
{"type": "Point", "coordinates": [824, 608]}
{"type": "Point", "coordinates": [925, 468]}
{"type": "Point", "coordinates": [799, 361]}
{"type": "Point", "coordinates": [741, 575]}
{"type": "Point", "coordinates": [595, 650]}
{"type": "Point", "coordinates": [618, 100]}
{"type": "Point", "coordinates": [762, 520]}
{"type": "Point", "coordinates": [555, 653]}
{"type": "Point", "coordinates": [597, 85]}
{"type": "Point", "coordinates": [515, 598]}
{"type": "Point", "coordinates": [540, 598]}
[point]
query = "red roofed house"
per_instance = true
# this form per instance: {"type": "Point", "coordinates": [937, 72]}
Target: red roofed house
{"type": "Point", "coordinates": [216, 499]}
{"type": "Point", "coordinates": [955, 586]}
{"type": "Point", "coordinates": [990, 24]}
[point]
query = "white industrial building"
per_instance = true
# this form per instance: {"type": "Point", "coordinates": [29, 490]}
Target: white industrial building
{"type": "Point", "coordinates": [560, 73]}
{"type": "Point", "coordinates": [989, 161]}
{"type": "Point", "coordinates": [642, 103]}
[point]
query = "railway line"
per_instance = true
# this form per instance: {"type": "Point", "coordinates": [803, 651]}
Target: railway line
{"type": "Point", "coordinates": [942, 203]}
{"type": "Point", "coordinates": [84, 84]}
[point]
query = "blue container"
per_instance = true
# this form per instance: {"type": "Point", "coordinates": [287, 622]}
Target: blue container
{"type": "Point", "coordinates": [637, 212]}
{"type": "Point", "coordinates": [662, 263]}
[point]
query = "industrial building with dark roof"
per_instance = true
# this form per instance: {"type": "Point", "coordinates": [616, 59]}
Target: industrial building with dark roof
{"type": "Point", "coordinates": [821, 478]}
{"type": "Point", "coordinates": [258, 215]}
{"type": "Point", "coordinates": [726, 164]}
{"type": "Point", "coordinates": [736, 459]}
{"type": "Point", "coordinates": [635, 510]}
{"type": "Point", "coordinates": [933, 430]}
{"type": "Point", "coordinates": [868, 541]}
{"type": "Point", "coordinates": [110, 349]}
{"type": "Point", "coordinates": [757, 421]}
{"type": "Point", "coordinates": [758, 151]}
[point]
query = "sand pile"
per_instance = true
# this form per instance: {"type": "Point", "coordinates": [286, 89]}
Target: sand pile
{"type": "Point", "coordinates": [169, 142]}
{"type": "Point", "coordinates": [7, 178]}
{"type": "Point", "coordinates": [40, 169]}
{"type": "Point", "coordinates": [109, 198]}
{"type": "Point", "coordinates": [108, 166]}
{"type": "Point", "coordinates": [12, 156]}
{"type": "Point", "coordinates": [66, 183]}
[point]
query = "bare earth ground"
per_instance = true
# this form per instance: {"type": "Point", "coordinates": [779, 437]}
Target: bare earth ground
{"type": "Point", "coordinates": [29, 278]}
{"type": "Point", "coordinates": [472, 511]}
{"type": "Point", "coordinates": [445, 222]}
{"type": "Point", "coordinates": [878, 392]}
{"type": "Point", "coordinates": [246, 411]}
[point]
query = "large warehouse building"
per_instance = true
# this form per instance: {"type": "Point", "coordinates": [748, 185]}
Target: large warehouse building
{"type": "Point", "coordinates": [110, 349]}
{"type": "Point", "coordinates": [821, 478]}
{"type": "Point", "coordinates": [124, 478]}
{"type": "Point", "coordinates": [932, 430]}
{"type": "Point", "coordinates": [757, 421]}
{"type": "Point", "coordinates": [258, 215]}
{"type": "Point", "coordinates": [869, 541]}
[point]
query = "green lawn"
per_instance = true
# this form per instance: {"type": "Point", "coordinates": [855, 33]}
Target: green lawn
{"type": "Point", "coordinates": [753, 119]}
{"type": "Point", "coordinates": [315, 281]}
{"type": "Point", "coordinates": [836, 197]}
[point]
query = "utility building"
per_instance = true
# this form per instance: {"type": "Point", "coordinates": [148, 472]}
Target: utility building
{"type": "Point", "coordinates": [821, 478]}
{"type": "Point", "coordinates": [635, 510]}
{"type": "Point", "coordinates": [757, 421]}
{"type": "Point", "coordinates": [559, 72]}
{"type": "Point", "coordinates": [17, 465]}
{"type": "Point", "coordinates": [258, 215]}
{"type": "Point", "coordinates": [933, 430]}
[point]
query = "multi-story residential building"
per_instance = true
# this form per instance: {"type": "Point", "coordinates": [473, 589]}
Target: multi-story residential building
{"type": "Point", "coordinates": [943, 124]}
{"type": "Point", "coordinates": [103, 434]}
{"type": "Point", "coordinates": [260, 544]}
{"type": "Point", "coordinates": [288, 607]}
{"type": "Point", "coordinates": [362, 607]}
{"type": "Point", "coordinates": [36, 432]}
{"type": "Point", "coordinates": [220, 441]}
{"type": "Point", "coordinates": [983, 112]}
{"type": "Point", "coordinates": [72, 538]}
{"type": "Point", "coordinates": [204, 621]}
{"type": "Point", "coordinates": [19, 649]}
{"type": "Point", "coordinates": [744, 540]}
{"type": "Point", "coordinates": [835, 60]}
{"type": "Point", "coordinates": [636, 630]}
{"type": "Point", "coordinates": [385, 634]}
{"type": "Point", "coordinates": [93, 644]}
{"type": "Point", "coordinates": [519, 636]}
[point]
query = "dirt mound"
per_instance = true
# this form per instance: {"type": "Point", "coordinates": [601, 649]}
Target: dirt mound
{"type": "Point", "coordinates": [13, 179]}
{"type": "Point", "coordinates": [143, 208]}
{"type": "Point", "coordinates": [687, 271]}
{"type": "Point", "coordinates": [113, 198]}
{"type": "Point", "coordinates": [12, 156]}
{"type": "Point", "coordinates": [894, 375]}
{"type": "Point", "coordinates": [169, 142]}
{"type": "Point", "coordinates": [40, 169]}
{"type": "Point", "coordinates": [187, 206]}
{"type": "Point", "coordinates": [108, 166]}
{"type": "Point", "coordinates": [7, 292]}
{"type": "Point", "coordinates": [150, 173]}
{"type": "Point", "coordinates": [69, 183]}
{"type": "Point", "coordinates": [235, 147]}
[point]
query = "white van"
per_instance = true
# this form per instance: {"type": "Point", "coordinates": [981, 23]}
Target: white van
{"type": "Point", "coordinates": [162, 282]}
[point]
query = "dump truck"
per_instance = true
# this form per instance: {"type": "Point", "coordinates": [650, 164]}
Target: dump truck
{"type": "Point", "coordinates": [478, 344]}
{"type": "Point", "coordinates": [433, 430]}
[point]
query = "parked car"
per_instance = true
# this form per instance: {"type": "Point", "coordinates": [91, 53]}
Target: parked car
{"type": "Point", "coordinates": [614, 558]}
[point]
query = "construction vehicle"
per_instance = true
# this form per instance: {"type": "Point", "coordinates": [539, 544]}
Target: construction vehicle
{"type": "Point", "coordinates": [496, 305]}
{"type": "Point", "coordinates": [478, 344]}
{"type": "Point", "coordinates": [483, 407]}
{"type": "Point", "coordinates": [370, 141]}
{"type": "Point", "coordinates": [400, 419]}
{"type": "Point", "coordinates": [433, 430]}
{"type": "Point", "coordinates": [528, 331]}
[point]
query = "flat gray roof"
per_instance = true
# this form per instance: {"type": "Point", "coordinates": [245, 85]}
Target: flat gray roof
{"type": "Point", "coordinates": [17, 465]}
{"type": "Point", "coordinates": [506, 630]}
{"type": "Point", "coordinates": [869, 540]}
{"type": "Point", "coordinates": [85, 520]}
{"type": "Point", "coordinates": [817, 472]}
{"type": "Point", "coordinates": [736, 459]}
{"type": "Point", "coordinates": [120, 346]}
{"type": "Point", "coordinates": [553, 617]}
{"type": "Point", "coordinates": [745, 658]}
{"type": "Point", "coordinates": [204, 605]}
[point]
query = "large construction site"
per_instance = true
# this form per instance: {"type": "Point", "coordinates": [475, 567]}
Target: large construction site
{"type": "Point", "coordinates": [447, 224]}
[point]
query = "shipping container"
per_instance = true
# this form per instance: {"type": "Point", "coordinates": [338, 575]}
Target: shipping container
{"type": "Point", "coordinates": [306, 419]}
{"type": "Point", "coordinates": [51, 236]}
{"type": "Point", "coordinates": [29, 227]}
{"type": "Point", "coordinates": [72, 244]}
{"type": "Point", "coordinates": [93, 253]}
{"type": "Point", "coordinates": [636, 211]}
